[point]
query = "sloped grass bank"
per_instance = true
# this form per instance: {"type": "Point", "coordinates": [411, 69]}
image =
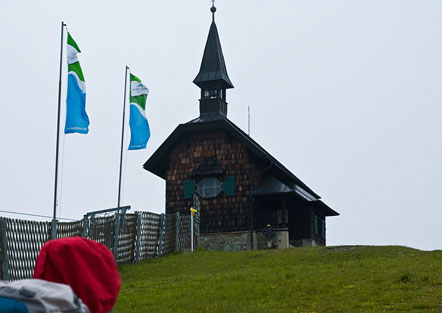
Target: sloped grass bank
{"type": "Point", "coordinates": [331, 279]}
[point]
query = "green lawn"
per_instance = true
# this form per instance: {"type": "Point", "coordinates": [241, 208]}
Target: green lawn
{"type": "Point", "coordinates": [332, 279]}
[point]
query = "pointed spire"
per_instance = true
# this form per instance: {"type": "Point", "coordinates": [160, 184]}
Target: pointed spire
{"type": "Point", "coordinates": [213, 68]}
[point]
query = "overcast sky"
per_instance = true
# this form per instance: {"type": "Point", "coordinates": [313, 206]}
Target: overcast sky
{"type": "Point", "coordinates": [345, 93]}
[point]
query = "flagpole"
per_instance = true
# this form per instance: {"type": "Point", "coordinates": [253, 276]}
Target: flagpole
{"type": "Point", "coordinates": [122, 136]}
{"type": "Point", "coordinates": [58, 126]}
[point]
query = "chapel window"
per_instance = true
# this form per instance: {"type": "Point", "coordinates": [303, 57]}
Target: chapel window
{"type": "Point", "coordinates": [209, 187]}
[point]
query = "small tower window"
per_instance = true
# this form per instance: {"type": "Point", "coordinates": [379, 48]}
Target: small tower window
{"type": "Point", "coordinates": [213, 93]}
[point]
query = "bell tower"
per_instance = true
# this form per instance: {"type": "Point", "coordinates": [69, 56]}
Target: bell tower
{"type": "Point", "coordinates": [212, 77]}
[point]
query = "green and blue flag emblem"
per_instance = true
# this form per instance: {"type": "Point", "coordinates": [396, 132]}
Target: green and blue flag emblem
{"type": "Point", "coordinates": [139, 127]}
{"type": "Point", "coordinates": [77, 120]}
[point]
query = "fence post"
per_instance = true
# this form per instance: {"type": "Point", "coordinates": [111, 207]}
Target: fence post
{"type": "Point", "coordinates": [160, 241]}
{"type": "Point", "coordinates": [4, 247]}
{"type": "Point", "coordinates": [117, 233]}
{"type": "Point", "coordinates": [85, 226]}
{"type": "Point", "coordinates": [138, 239]}
{"type": "Point", "coordinates": [191, 231]}
{"type": "Point", "coordinates": [54, 229]}
{"type": "Point", "coordinates": [177, 231]}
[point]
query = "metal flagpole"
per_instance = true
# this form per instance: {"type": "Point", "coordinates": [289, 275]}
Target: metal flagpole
{"type": "Point", "coordinates": [122, 136]}
{"type": "Point", "coordinates": [58, 131]}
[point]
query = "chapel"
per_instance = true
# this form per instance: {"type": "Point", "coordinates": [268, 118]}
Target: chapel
{"type": "Point", "coordinates": [247, 198]}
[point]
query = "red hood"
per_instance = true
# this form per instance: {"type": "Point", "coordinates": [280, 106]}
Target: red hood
{"type": "Point", "coordinates": [85, 265]}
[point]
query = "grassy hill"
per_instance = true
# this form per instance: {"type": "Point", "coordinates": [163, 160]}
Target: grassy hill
{"type": "Point", "coordinates": [332, 279]}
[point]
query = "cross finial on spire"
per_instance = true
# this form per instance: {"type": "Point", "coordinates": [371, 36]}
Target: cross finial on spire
{"type": "Point", "coordinates": [213, 10]}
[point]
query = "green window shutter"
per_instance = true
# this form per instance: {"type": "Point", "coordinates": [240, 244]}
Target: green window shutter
{"type": "Point", "coordinates": [229, 185]}
{"type": "Point", "coordinates": [323, 228]}
{"type": "Point", "coordinates": [189, 188]}
{"type": "Point", "coordinates": [316, 225]}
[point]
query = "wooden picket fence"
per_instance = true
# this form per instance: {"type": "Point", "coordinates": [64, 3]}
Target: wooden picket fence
{"type": "Point", "coordinates": [131, 238]}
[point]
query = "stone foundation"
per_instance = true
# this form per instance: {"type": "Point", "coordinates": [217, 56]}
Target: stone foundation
{"type": "Point", "coordinates": [233, 241]}
{"type": "Point", "coordinates": [279, 241]}
{"type": "Point", "coordinates": [237, 241]}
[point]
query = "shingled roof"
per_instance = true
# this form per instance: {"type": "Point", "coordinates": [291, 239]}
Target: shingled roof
{"type": "Point", "coordinates": [158, 162]}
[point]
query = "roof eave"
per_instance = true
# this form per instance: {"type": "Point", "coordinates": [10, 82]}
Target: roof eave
{"type": "Point", "coordinates": [325, 209]}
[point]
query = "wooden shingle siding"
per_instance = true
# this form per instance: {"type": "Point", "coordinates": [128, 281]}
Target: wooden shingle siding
{"type": "Point", "coordinates": [226, 212]}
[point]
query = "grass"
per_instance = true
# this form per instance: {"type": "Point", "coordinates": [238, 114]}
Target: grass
{"type": "Point", "coordinates": [331, 279]}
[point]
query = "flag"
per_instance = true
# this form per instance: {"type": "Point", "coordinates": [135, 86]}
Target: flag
{"type": "Point", "coordinates": [77, 120]}
{"type": "Point", "coordinates": [139, 127]}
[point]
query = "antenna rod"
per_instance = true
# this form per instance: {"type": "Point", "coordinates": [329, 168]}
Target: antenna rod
{"type": "Point", "coordinates": [249, 118]}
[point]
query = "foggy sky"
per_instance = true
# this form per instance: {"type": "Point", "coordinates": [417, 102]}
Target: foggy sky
{"type": "Point", "coordinates": [346, 94]}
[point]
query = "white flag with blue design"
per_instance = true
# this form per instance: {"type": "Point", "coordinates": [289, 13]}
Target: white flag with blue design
{"type": "Point", "coordinates": [139, 127]}
{"type": "Point", "coordinates": [77, 120]}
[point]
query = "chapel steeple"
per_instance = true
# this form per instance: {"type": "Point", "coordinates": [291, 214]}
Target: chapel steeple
{"type": "Point", "coordinates": [212, 77]}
